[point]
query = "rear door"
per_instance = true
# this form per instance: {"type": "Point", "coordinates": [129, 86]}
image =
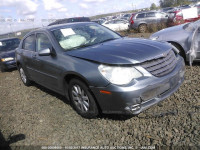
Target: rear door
{"type": "Point", "coordinates": [28, 51]}
{"type": "Point", "coordinates": [151, 18]}
{"type": "Point", "coordinates": [140, 18]}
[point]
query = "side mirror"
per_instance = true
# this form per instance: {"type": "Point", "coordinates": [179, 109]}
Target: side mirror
{"type": "Point", "coordinates": [45, 52]}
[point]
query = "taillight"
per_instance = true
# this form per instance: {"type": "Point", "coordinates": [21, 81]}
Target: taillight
{"type": "Point", "coordinates": [131, 19]}
{"type": "Point", "coordinates": [132, 22]}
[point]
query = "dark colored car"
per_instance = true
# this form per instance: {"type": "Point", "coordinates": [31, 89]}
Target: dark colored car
{"type": "Point", "coordinates": [140, 21]}
{"type": "Point", "coordinates": [98, 70]}
{"type": "Point", "coordinates": [70, 20]}
{"type": "Point", "coordinates": [7, 53]}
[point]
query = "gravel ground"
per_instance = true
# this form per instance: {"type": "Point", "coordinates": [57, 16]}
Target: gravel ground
{"type": "Point", "coordinates": [44, 118]}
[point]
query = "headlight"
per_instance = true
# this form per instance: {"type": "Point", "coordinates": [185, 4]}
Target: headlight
{"type": "Point", "coordinates": [119, 75]}
{"type": "Point", "coordinates": [154, 38]}
{"type": "Point", "coordinates": [7, 59]}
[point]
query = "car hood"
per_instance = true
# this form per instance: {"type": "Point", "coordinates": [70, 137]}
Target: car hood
{"type": "Point", "coordinates": [122, 51]}
{"type": "Point", "coordinates": [171, 30]}
{"type": "Point", "coordinates": [10, 53]}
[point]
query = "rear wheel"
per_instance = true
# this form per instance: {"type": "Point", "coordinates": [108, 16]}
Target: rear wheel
{"type": "Point", "coordinates": [82, 99]}
{"type": "Point", "coordinates": [24, 77]}
{"type": "Point", "coordinates": [142, 28]}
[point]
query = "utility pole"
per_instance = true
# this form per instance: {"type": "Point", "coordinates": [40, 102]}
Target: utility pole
{"type": "Point", "coordinates": [11, 29]}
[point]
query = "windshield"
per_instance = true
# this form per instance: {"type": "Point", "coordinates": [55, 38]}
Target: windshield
{"type": "Point", "coordinates": [8, 45]}
{"type": "Point", "coordinates": [82, 35]}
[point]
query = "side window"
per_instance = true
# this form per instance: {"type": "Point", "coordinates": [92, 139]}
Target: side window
{"type": "Point", "coordinates": [29, 43]}
{"type": "Point", "coordinates": [141, 15]}
{"type": "Point", "coordinates": [42, 42]}
{"type": "Point", "coordinates": [152, 14]}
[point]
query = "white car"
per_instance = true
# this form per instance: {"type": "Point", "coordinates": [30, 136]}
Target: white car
{"type": "Point", "coordinates": [117, 24]}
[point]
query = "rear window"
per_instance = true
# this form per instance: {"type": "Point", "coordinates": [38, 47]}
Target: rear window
{"type": "Point", "coordinates": [140, 15]}
{"type": "Point", "coordinates": [70, 20]}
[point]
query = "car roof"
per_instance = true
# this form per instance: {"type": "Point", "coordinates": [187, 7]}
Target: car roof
{"type": "Point", "coordinates": [8, 38]}
{"type": "Point", "coordinates": [58, 26]}
{"type": "Point", "coordinates": [69, 20]}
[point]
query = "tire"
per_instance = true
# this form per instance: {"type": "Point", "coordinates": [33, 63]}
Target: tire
{"type": "Point", "coordinates": [142, 28]}
{"type": "Point", "coordinates": [182, 53]}
{"type": "Point", "coordinates": [82, 100]}
{"type": "Point", "coordinates": [24, 77]}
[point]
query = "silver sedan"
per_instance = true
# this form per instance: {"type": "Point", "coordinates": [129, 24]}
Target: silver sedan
{"type": "Point", "coordinates": [185, 37]}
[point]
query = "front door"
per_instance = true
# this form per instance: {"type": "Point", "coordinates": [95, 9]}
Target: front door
{"type": "Point", "coordinates": [48, 70]}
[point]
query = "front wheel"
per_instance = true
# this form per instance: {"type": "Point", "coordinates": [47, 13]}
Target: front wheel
{"type": "Point", "coordinates": [24, 77]}
{"type": "Point", "coordinates": [82, 99]}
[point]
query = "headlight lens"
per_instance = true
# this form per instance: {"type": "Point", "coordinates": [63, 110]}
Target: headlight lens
{"type": "Point", "coordinates": [119, 75]}
{"type": "Point", "coordinates": [7, 59]}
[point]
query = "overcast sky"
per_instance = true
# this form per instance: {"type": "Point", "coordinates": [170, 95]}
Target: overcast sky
{"type": "Point", "coordinates": [16, 11]}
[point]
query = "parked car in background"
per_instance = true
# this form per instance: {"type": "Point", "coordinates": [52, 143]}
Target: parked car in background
{"type": "Point", "coordinates": [176, 18]}
{"type": "Point", "coordinates": [7, 53]}
{"type": "Point", "coordinates": [117, 24]}
{"type": "Point", "coordinates": [185, 37]}
{"type": "Point", "coordinates": [98, 70]}
{"type": "Point", "coordinates": [126, 17]}
{"type": "Point", "coordinates": [140, 21]}
{"type": "Point", "coordinates": [167, 9]}
{"type": "Point", "coordinates": [99, 21]}
{"type": "Point", "coordinates": [70, 20]}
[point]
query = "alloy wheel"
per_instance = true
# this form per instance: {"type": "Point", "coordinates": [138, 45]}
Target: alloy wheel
{"type": "Point", "coordinates": [80, 98]}
{"type": "Point", "coordinates": [22, 74]}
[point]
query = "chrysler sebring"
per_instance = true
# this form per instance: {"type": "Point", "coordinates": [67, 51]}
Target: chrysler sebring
{"type": "Point", "coordinates": [98, 70]}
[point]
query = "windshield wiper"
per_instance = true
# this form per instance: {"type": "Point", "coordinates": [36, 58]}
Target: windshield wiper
{"type": "Point", "coordinates": [80, 46]}
{"type": "Point", "coordinates": [108, 40]}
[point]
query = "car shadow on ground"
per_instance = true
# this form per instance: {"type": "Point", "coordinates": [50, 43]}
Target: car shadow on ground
{"type": "Point", "coordinates": [10, 70]}
{"type": "Point", "coordinates": [67, 101]}
{"type": "Point", "coordinates": [193, 64]}
{"type": "Point", "coordinates": [5, 145]}
{"type": "Point", "coordinates": [50, 92]}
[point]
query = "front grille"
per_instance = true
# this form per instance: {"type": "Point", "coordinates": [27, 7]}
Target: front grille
{"type": "Point", "coordinates": [161, 66]}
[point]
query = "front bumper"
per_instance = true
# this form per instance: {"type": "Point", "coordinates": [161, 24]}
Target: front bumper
{"type": "Point", "coordinates": [8, 64]}
{"type": "Point", "coordinates": [140, 95]}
